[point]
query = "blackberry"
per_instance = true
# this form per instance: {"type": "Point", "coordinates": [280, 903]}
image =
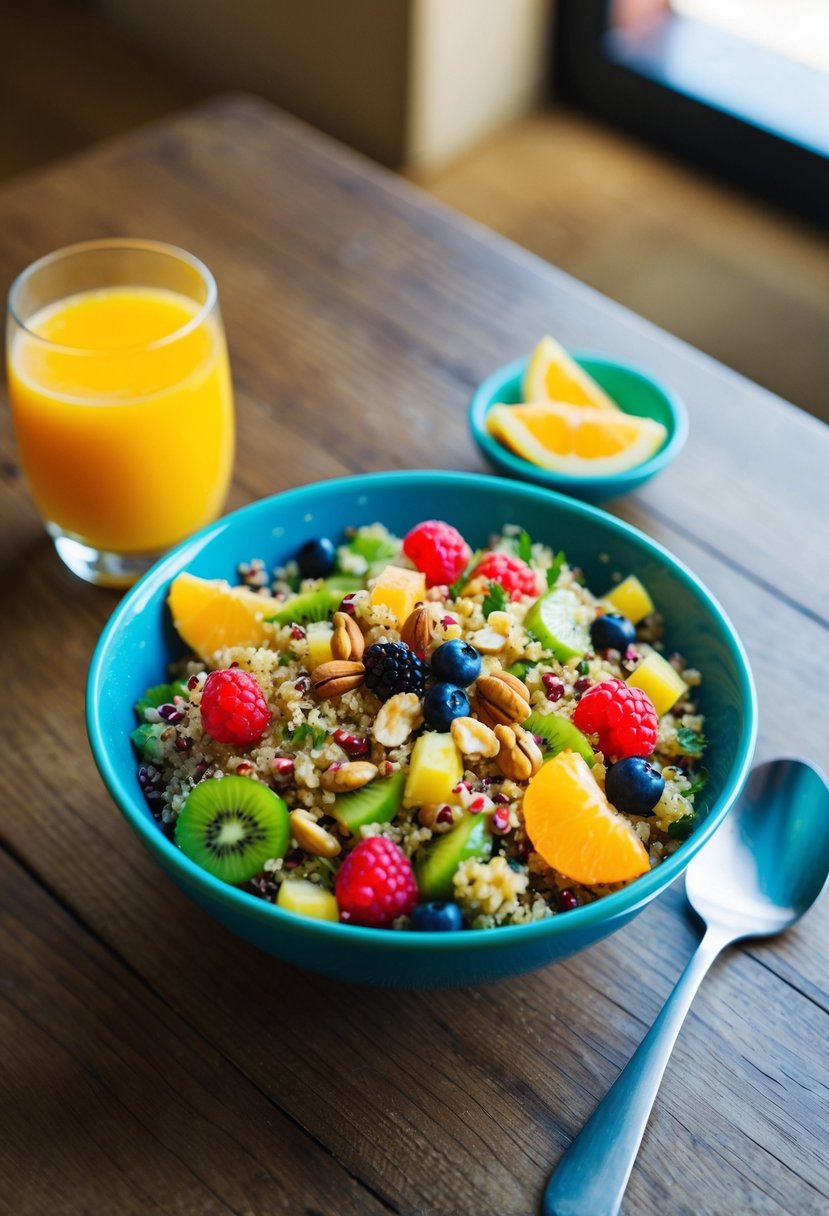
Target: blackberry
{"type": "Point", "coordinates": [393, 667]}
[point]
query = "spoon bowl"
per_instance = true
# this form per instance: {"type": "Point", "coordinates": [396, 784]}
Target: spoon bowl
{"type": "Point", "coordinates": [763, 868]}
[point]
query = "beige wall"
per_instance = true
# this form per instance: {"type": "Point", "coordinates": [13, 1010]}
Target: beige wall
{"type": "Point", "coordinates": [410, 82]}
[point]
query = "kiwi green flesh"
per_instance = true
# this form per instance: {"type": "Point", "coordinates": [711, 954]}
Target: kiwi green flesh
{"type": "Point", "coordinates": [231, 826]}
{"type": "Point", "coordinates": [344, 583]}
{"type": "Point", "coordinates": [377, 802]}
{"type": "Point", "coordinates": [469, 838]}
{"type": "Point", "coordinates": [552, 619]}
{"type": "Point", "coordinates": [159, 694]}
{"type": "Point", "coordinates": [308, 606]}
{"type": "Point", "coordinates": [146, 738]}
{"type": "Point", "coordinates": [559, 734]}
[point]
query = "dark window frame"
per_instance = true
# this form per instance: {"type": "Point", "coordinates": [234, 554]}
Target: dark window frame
{"type": "Point", "coordinates": [587, 76]}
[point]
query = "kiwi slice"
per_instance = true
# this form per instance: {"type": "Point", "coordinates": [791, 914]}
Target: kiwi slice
{"type": "Point", "coordinates": [159, 694]}
{"type": "Point", "coordinates": [559, 734]}
{"type": "Point", "coordinates": [344, 583]}
{"type": "Point", "coordinates": [231, 826]}
{"type": "Point", "coordinates": [308, 606]}
{"type": "Point", "coordinates": [377, 802]}
{"type": "Point", "coordinates": [375, 548]}
{"type": "Point", "coordinates": [470, 838]}
{"type": "Point", "coordinates": [554, 620]}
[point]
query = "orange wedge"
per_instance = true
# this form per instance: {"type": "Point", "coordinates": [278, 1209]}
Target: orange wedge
{"type": "Point", "coordinates": [552, 375]}
{"type": "Point", "coordinates": [580, 440]}
{"type": "Point", "coordinates": [209, 614]}
{"type": "Point", "coordinates": [575, 829]}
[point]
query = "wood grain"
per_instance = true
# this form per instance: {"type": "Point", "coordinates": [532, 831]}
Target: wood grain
{"type": "Point", "coordinates": [357, 310]}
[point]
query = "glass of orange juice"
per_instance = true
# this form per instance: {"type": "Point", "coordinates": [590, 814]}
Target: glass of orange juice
{"type": "Point", "coordinates": [121, 396]}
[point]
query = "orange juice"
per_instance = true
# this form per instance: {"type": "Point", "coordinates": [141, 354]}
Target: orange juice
{"type": "Point", "coordinates": [123, 410]}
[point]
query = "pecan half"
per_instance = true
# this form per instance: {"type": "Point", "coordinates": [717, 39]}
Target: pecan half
{"type": "Point", "coordinates": [337, 677]}
{"type": "Point", "coordinates": [501, 697]}
{"type": "Point", "coordinates": [519, 757]}
{"type": "Point", "coordinates": [342, 778]}
{"type": "Point", "coordinates": [417, 629]}
{"type": "Point", "coordinates": [311, 836]}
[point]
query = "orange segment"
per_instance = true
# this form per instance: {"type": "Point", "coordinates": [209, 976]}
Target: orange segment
{"type": "Point", "coordinates": [575, 829]}
{"type": "Point", "coordinates": [209, 614]}
{"type": "Point", "coordinates": [581, 440]}
{"type": "Point", "coordinates": [552, 375]}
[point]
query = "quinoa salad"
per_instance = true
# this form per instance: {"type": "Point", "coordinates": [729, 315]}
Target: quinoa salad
{"type": "Point", "coordinates": [401, 733]}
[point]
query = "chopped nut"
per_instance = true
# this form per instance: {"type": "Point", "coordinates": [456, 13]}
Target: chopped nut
{"type": "Point", "coordinates": [337, 677]}
{"type": "Point", "coordinates": [417, 628]}
{"type": "Point", "coordinates": [501, 697]}
{"type": "Point", "coordinates": [501, 622]}
{"type": "Point", "coordinates": [348, 641]}
{"type": "Point", "coordinates": [311, 837]}
{"type": "Point", "coordinates": [488, 641]}
{"type": "Point", "coordinates": [341, 778]}
{"type": "Point", "coordinates": [519, 757]}
{"type": "Point", "coordinates": [474, 738]}
{"type": "Point", "coordinates": [397, 718]}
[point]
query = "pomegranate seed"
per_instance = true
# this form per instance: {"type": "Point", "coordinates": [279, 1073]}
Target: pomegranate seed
{"type": "Point", "coordinates": [567, 901]}
{"type": "Point", "coordinates": [283, 766]}
{"type": "Point", "coordinates": [583, 683]}
{"type": "Point", "coordinates": [631, 654]}
{"type": "Point", "coordinates": [292, 859]}
{"type": "Point", "coordinates": [446, 621]}
{"type": "Point", "coordinates": [462, 785]}
{"type": "Point", "coordinates": [297, 632]}
{"type": "Point", "coordinates": [477, 804]}
{"type": "Point", "coordinates": [553, 686]}
{"type": "Point", "coordinates": [500, 821]}
{"type": "Point", "coordinates": [243, 768]}
{"type": "Point", "coordinates": [170, 714]}
{"type": "Point", "coordinates": [352, 744]}
{"type": "Point", "coordinates": [444, 815]}
{"type": "Point", "coordinates": [501, 799]}
{"type": "Point", "coordinates": [302, 684]}
{"type": "Point", "coordinates": [347, 604]}
{"type": "Point", "coordinates": [193, 682]}
{"type": "Point", "coordinates": [183, 744]}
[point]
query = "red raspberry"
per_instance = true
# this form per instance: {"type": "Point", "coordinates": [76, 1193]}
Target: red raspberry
{"type": "Point", "coordinates": [515, 576]}
{"type": "Point", "coordinates": [438, 550]}
{"type": "Point", "coordinates": [624, 719]}
{"type": "Point", "coordinates": [375, 884]}
{"type": "Point", "coordinates": [233, 709]}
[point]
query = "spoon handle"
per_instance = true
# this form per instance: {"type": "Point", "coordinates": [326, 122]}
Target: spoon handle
{"type": "Point", "coordinates": [591, 1177]}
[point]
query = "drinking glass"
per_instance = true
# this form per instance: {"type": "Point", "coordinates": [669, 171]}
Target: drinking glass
{"type": "Point", "coordinates": [122, 402]}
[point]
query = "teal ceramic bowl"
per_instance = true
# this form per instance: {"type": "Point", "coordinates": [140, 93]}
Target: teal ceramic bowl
{"type": "Point", "coordinates": [138, 642]}
{"type": "Point", "coordinates": [634, 391]}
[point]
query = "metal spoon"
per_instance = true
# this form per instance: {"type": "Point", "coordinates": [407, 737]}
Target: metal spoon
{"type": "Point", "coordinates": [761, 870]}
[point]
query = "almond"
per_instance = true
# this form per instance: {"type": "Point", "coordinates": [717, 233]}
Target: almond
{"type": "Point", "coordinates": [417, 629]}
{"type": "Point", "coordinates": [342, 778]}
{"type": "Point", "coordinates": [348, 642]}
{"type": "Point", "coordinates": [312, 837]}
{"type": "Point", "coordinates": [337, 677]}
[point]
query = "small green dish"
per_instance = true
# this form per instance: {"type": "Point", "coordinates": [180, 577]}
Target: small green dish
{"type": "Point", "coordinates": [633, 390]}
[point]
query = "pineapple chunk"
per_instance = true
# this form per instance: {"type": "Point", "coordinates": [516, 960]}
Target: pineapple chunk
{"type": "Point", "coordinates": [631, 599]}
{"type": "Point", "coordinates": [307, 898]}
{"type": "Point", "coordinates": [399, 590]}
{"type": "Point", "coordinates": [319, 635]}
{"type": "Point", "coordinates": [435, 769]}
{"type": "Point", "coordinates": [663, 683]}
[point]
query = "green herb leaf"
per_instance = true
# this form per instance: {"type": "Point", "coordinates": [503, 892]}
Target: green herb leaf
{"type": "Point", "coordinates": [699, 781]}
{"type": "Point", "coordinates": [457, 587]}
{"type": "Point", "coordinates": [521, 666]}
{"type": "Point", "coordinates": [525, 547]}
{"type": "Point", "coordinates": [690, 741]}
{"type": "Point", "coordinates": [555, 569]}
{"type": "Point", "coordinates": [496, 599]}
{"type": "Point", "coordinates": [682, 828]}
{"type": "Point", "coordinates": [286, 657]}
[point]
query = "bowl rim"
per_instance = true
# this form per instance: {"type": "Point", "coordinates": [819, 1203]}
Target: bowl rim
{"type": "Point", "coordinates": [609, 907]}
{"type": "Point", "coordinates": [484, 398]}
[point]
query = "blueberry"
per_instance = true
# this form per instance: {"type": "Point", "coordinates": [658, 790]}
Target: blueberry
{"type": "Point", "coordinates": [457, 662]}
{"type": "Point", "coordinates": [316, 558]}
{"type": "Point", "coordinates": [612, 632]}
{"type": "Point", "coordinates": [442, 703]}
{"type": "Point", "coordinates": [437, 916]}
{"type": "Point", "coordinates": [634, 786]}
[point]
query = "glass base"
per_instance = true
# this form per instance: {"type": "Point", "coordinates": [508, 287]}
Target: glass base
{"type": "Point", "coordinates": [97, 565]}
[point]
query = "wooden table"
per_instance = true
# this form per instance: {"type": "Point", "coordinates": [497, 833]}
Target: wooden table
{"type": "Point", "coordinates": [153, 1062]}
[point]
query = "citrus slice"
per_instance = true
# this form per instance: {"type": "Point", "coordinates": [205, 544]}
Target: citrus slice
{"type": "Point", "coordinates": [209, 614]}
{"type": "Point", "coordinates": [580, 440]}
{"type": "Point", "coordinates": [574, 828]}
{"type": "Point", "coordinates": [553, 375]}
{"type": "Point", "coordinates": [556, 619]}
